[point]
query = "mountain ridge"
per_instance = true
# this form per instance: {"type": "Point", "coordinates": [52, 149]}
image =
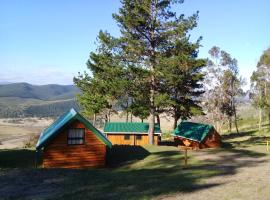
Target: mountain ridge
{"type": "Point", "coordinates": [24, 99]}
{"type": "Point", "coordinates": [41, 92]}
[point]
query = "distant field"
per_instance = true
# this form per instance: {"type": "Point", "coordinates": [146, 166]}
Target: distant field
{"type": "Point", "coordinates": [14, 133]}
{"type": "Point", "coordinates": [19, 130]}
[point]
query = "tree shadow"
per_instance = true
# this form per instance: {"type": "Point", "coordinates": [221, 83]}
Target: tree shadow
{"type": "Point", "coordinates": [18, 158]}
{"type": "Point", "coordinates": [120, 155]}
{"type": "Point", "coordinates": [227, 161]}
{"type": "Point", "coordinates": [237, 135]}
{"type": "Point", "coordinates": [167, 143]}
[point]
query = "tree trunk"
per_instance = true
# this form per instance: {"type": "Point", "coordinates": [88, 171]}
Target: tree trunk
{"type": "Point", "coordinates": [131, 117]}
{"type": "Point", "coordinates": [175, 122]}
{"type": "Point", "coordinates": [235, 119]}
{"type": "Point", "coordinates": [158, 120]}
{"type": "Point", "coordinates": [260, 119]}
{"type": "Point", "coordinates": [127, 116]}
{"type": "Point", "coordinates": [230, 124]}
{"type": "Point", "coordinates": [94, 120]}
{"type": "Point", "coordinates": [152, 111]}
{"type": "Point", "coordinates": [152, 121]}
{"type": "Point", "coordinates": [269, 118]}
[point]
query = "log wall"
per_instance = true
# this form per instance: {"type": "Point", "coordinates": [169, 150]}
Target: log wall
{"type": "Point", "coordinates": [58, 154]}
{"type": "Point", "coordinates": [119, 139]}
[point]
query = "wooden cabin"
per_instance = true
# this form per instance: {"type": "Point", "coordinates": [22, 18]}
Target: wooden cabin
{"type": "Point", "coordinates": [130, 133]}
{"type": "Point", "coordinates": [196, 135]}
{"type": "Point", "coordinates": [73, 142]}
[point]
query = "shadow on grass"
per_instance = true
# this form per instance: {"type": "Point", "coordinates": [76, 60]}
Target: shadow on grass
{"type": "Point", "coordinates": [229, 160]}
{"type": "Point", "coordinates": [146, 174]}
{"type": "Point", "coordinates": [120, 155]}
{"type": "Point", "coordinates": [245, 139]}
{"type": "Point", "coordinates": [167, 143]}
{"type": "Point", "coordinates": [230, 136]}
{"type": "Point", "coordinates": [18, 158]}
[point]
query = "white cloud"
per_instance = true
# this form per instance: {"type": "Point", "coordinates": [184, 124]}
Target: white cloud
{"type": "Point", "coordinates": [41, 76]}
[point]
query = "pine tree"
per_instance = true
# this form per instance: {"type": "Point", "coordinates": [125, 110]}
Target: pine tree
{"type": "Point", "coordinates": [149, 28]}
{"type": "Point", "coordinates": [129, 67]}
{"type": "Point", "coordinates": [180, 80]}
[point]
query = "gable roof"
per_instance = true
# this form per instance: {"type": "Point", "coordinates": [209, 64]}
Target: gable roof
{"type": "Point", "coordinates": [129, 127]}
{"type": "Point", "coordinates": [69, 116]}
{"type": "Point", "coordinates": [193, 131]}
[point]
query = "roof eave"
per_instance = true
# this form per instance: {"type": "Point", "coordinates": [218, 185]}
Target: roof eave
{"type": "Point", "coordinates": [186, 138]}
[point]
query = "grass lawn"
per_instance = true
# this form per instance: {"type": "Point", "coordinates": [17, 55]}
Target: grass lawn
{"type": "Point", "coordinates": [139, 173]}
{"type": "Point", "coordinates": [143, 173]}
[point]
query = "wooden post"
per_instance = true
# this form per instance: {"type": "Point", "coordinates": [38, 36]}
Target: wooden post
{"type": "Point", "coordinates": [185, 157]}
{"type": "Point", "coordinates": [36, 158]}
{"type": "Point", "coordinates": [185, 148]}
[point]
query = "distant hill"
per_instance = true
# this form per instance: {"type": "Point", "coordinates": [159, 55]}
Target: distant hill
{"type": "Point", "coordinates": [41, 92]}
{"type": "Point", "coordinates": [24, 99]}
{"type": "Point", "coordinates": [4, 82]}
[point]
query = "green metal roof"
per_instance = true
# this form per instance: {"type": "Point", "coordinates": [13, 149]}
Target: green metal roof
{"type": "Point", "coordinates": [61, 122]}
{"type": "Point", "coordinates": [129, 127]}
{"type": "Point", "coordinates": [192, 131]}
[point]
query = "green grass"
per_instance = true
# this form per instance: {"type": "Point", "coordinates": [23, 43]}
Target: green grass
{"type": "Point", "coordinates": [159, 172]}
{"type": "Point", "coordinates": [142, 173]}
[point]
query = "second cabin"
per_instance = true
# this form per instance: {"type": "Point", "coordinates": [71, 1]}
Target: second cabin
{"type": "Point", "coordinates": [130, 133]}
{"type": "Point", "coordinates": [196, 135]}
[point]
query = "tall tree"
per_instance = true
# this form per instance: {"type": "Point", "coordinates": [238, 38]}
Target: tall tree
{"type": "Point", "coordinates": [147, 28]}
{"type": "Point", "coordinates": [212, 83]}
{"type": "Point", "coordinates": [223, 85]}
{"type": "Point", "coordinates": [129, 67]}
{"type": "Point", "coordinates": [101, 90]}
{"type": "Point", "coordinates": [92, 100]}
{"type": "Point", "coordinates": [260, 82]}
{"type": "Point", "coordinates": [181, 81]}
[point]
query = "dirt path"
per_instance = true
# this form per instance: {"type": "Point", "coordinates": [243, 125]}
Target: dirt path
{"type": "Point", "coordinates": [245, 177]}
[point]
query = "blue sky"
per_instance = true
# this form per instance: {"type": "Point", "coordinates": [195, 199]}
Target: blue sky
{"type": "Point", "coordinates": [49, 41]}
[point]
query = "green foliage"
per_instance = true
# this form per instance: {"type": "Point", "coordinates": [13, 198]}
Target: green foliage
{"type": "Point", "coordinates": [151, 68]}
{"type": "Point", "coordinates": [260, 82]}
{"type": "Point", "coordinates": [223, 85]}
{"type": "Point", "coordinates": [49, 109]}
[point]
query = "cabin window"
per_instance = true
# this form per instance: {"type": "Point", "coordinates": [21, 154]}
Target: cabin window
{"type": "Point", "coordinates": [75, 136]}
{"type": "Point", "coordinates": [138, 137]}
{"type": "Point", "coordinates": [126, 137]}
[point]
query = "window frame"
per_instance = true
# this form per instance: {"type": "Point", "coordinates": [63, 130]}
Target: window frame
{"type": "Point", "coordinates": [83, 138]}
{"type": "Point", "coordinates": [126, 136]}
{"type": "Point", "coordinates": [138, 137]}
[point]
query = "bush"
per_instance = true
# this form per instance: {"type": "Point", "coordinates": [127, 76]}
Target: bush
{"type": "Point", "coordinates": [31, 142]}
